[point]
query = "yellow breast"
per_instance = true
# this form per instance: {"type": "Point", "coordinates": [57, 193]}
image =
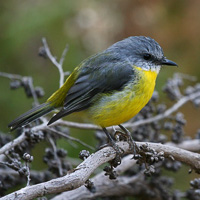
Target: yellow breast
{"type": "Point", "coordinates": [120, 106]}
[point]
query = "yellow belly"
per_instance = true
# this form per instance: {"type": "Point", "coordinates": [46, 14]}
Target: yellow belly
{"type": "Point", "coordinates": [114, 109]}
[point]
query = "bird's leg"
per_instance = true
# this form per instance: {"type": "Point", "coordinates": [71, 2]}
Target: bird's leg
{"type": "Point", "coordinates": [132, 144]}
{"type": "Point", "coordinates": [118, 150]}
{"type": "Point", "coordinates": [123, 135]}
{"type": "Point", "coordinates": [119, 135]}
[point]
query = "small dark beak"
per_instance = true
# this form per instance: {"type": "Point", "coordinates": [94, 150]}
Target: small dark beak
{"type": "Point", "coordinates": [168, 62]}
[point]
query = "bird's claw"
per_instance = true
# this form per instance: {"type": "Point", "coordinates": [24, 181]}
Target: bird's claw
{"type": "Point", "coordinates": [119, 136]}
{"type": "Point", "coordinates": [127, 135]}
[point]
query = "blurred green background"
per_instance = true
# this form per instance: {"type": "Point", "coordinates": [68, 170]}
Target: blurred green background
{"type": "Point", "coordinates": [89, 26]}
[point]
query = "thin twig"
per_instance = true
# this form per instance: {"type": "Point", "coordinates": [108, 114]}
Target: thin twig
{"type": "Point", "coordinates": [54, 61]}
{"type": "Point", "coordinates": [186, 76]}
{"type": "Point", "coordinates": [55, 155]}
{"type": "Point", "coordinates": [10, 76]}
{"type": "Point", "coordinates": [28, 174]}
{"type": "Point", "coordinates": [13, 143]}
{"type": "Point", "coordinates": [70, 138]}
{"type": "Point", "coordinates": [76, 125]}
{"type": "Point", "coordinates": [67, 73]}
{"type": "Point", "coordinates": [31, 86]}
{"type": "Point", "coordinates": [27, 79]}
{"type": "Point", "coordinates": [64, 53]}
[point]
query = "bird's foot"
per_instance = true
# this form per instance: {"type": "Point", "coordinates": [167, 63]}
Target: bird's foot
{"type": "Point", "coordinates": [120, 136]}
{"type": "Point", "coordinates": [127, 136]}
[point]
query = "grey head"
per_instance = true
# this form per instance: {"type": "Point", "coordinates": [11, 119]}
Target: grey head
{"type": "Point", "coordinates": [143, 52]}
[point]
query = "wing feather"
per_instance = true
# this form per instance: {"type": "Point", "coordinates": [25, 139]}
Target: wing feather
{"type": "Point", "coordinates": [99, 74]}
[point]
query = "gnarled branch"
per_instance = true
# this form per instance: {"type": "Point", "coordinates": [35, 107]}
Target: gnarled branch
{"type": "Point", "coordinates": [82, 172]}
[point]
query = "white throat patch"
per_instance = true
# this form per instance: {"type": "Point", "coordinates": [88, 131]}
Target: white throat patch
{"type": "Point", "coordinates": [155, 68]}
{"type": "Point", "coordinates": [150, 67]}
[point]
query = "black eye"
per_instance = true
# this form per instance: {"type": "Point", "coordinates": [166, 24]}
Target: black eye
{"type": "Point", "coordinates": [147, 56]}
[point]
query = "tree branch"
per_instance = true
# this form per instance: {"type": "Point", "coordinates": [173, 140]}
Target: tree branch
{"type": "Point", "coordinates": [13, 143]}
{"type": "Point", "coordinates": [189, 145]}
{"type": "Point", "coordinates": [80, 174]}
{"type": "Point", "coordinates": [105, 187]}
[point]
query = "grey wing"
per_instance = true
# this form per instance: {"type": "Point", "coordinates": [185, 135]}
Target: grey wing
{"type": "Point", "coordinates": [101, 77]}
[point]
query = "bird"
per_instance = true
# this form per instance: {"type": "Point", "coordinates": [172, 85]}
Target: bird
{"type": "Point", "coordinates": [108, 88]}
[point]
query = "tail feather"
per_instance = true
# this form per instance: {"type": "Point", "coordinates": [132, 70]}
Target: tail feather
{"type": "Point", "coordinates": [30, 116]}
